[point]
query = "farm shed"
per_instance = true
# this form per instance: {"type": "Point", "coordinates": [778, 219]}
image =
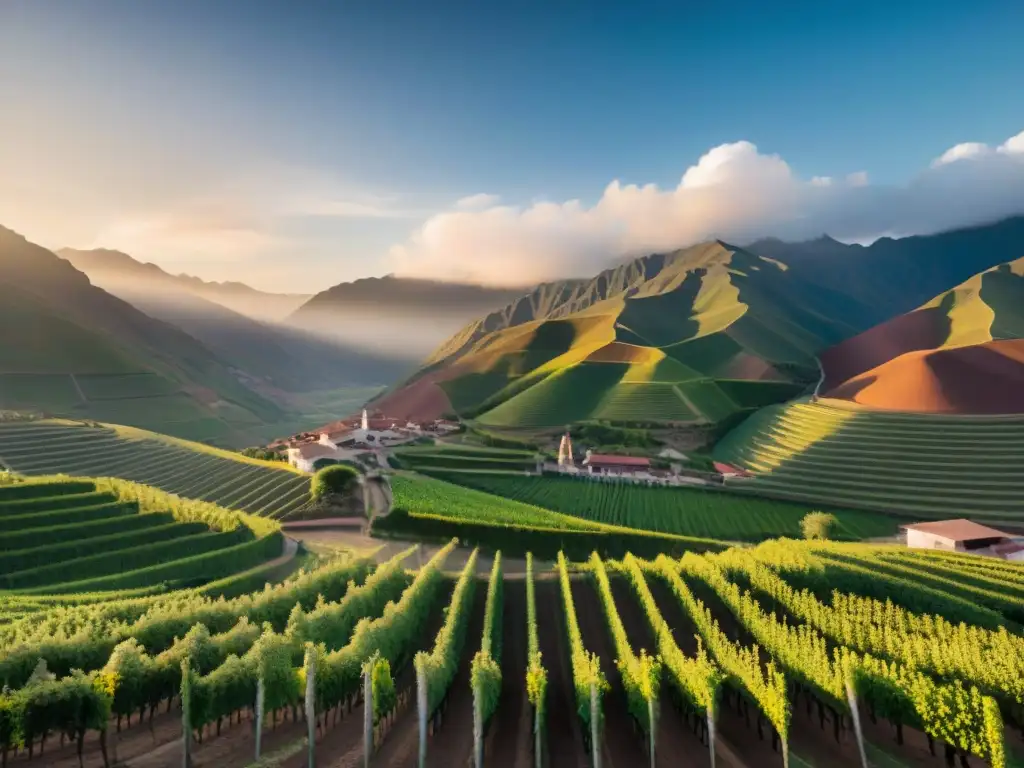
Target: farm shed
{"type": "Point", "coordinates": [962, 536]}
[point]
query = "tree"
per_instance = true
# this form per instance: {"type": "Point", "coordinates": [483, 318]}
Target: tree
{"type": "Point", "coordinates": [819, 525]}
{"type": "Point", "coordinates": [334, 480]}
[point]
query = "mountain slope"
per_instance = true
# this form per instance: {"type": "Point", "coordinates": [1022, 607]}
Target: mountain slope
{"type": "Point", "coordinates": [77, 350]}
{"type": "Point", "coordinates": [692, 336]}
{"type": "Point", "coordinates": [961, 352]}
{"type": "Point", "coordinates": [403, 316]}
{"type": "Point", "coordinates": [103, 265]}
{"type": "Point", "coordinates": [894, 276]}
{"type": "Point", "coordinates": [264, 354]}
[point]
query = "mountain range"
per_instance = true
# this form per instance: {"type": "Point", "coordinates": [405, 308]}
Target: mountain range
{"type": "Point", "coordinates": [697, 336]}
{"type": "Point", "coordinates": [700, 335]}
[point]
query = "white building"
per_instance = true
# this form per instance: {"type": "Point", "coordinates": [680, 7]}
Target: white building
{"type": "Point", "coordinates": [304, 456]}
{"type": "Point", "coordinates": [372, 434]}
{"type": "Point", "coordinates": [964, 536]}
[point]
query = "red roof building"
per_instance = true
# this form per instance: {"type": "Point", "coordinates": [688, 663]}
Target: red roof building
{"type": "Point", "coordinates": [609, 463]}
{"type": "Point", "coordinates": [962, 536]}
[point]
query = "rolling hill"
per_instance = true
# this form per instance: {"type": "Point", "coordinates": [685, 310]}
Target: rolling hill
{"type": "Point", "coordinates": [78, 351]}
{"type": "Point", "coordinates": [693, 336]}
{"type": "Point", "coordinates": [962, 352]}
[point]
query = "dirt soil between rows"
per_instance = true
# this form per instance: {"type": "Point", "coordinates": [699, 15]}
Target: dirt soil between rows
{"type": "Point", "coordinates": [509, 739]}
{"type": "Point", "coordinates": [563, 740]}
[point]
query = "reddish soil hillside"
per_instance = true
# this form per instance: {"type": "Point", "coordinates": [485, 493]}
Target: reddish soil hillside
{"type": "Point", "coordinates": [925, 329]}
{"type": "Point", "coordinates": [423, 400]}
{"type": "Point", "coordinates": [984, 378]}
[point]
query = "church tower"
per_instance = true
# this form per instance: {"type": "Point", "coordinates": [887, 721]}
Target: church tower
{"type": "Point", "coordinates": [565, 451]}
{"type": "Point", "coordinates": [365, 424]}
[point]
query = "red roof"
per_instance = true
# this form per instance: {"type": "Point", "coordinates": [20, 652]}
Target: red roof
{"type": "Point", "coordinates": [957, 530]}
{"type": "Point", "coordinates": [617, 461]}
{"type": "Point", "coordinates": [729, 469]}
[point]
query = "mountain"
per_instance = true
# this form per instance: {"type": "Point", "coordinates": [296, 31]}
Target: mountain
{"type": "Point", "coordinates": [267, 356]}
{"type": "Point", "coordinates": [697, 336]}
{"type": "Point", "coordinates": [104, 265]}
{"type": "Point", "coordinates": [894, 276]}
{"type": "Point", "coordinates": [693, 336]}
{"type": "Point", "coordinates": [961, 352]}
{"type": "Point", "coordinates": [402, 315]}
{"type": "Point", "coordinates": [74, 349]}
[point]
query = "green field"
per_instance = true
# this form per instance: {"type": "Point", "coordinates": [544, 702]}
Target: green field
{"type": "Point", "coordinates": [922, 465]}
{"type": "Point", "coordinates": [72, 536]}
{"type": "Point", "coordinates": [427, 458]}
{"type": "Point", "coordinates": [425, 507]}
{"type": "Point", "coordinates": [683, 511]}
{"type": "Point", "coordinates": [187, 469]}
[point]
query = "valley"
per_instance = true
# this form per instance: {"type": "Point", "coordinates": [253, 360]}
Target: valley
{"type": "Point", "coordinates": [656, 516]}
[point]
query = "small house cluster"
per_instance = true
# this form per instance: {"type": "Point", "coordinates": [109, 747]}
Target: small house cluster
{"type": "Point", "coordinates": [346, 440]}
{"type": "Point", "coordinates": [618, 468]}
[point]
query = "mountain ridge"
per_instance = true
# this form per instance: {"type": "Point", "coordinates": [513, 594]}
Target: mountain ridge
{"type": "Point", "coordinates": [235, 295]}
{"type": "Point", "coordinates": [697, 311]}
{"type": "Point", "coordinates": [191, 380]}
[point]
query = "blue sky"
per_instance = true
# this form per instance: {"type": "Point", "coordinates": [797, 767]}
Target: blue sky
{"type": "Point", "coordinates": [300, 147]}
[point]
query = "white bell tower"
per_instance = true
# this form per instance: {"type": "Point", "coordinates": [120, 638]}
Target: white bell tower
{"type": "Point", "coordinates": [565, 451]}
{"type": "Point", "coordinates": [365, 423]}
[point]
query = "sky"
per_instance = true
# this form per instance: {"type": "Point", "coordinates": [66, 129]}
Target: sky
{"type": "Point", "coordinates": [295, 146]}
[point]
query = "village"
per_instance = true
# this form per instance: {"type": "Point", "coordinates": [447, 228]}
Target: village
{"type": "Point", "coordinates": [359, 440]}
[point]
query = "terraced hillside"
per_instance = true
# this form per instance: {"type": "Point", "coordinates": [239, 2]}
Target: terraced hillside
{"type": "Point", "coordinates": [928, 465]}
{"type": "Point", "coordinates": [693, 336]}
{"type": "Point", "coordinates": [187, 469]}
{"type": "Point", "coordinates": [82, 536]}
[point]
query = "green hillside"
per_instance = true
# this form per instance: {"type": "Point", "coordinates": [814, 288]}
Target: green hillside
{"type": "Point", "coordinates": [189, 470]}
{"type": "Point", "coordinates": [925, 465]}
{"type": "Point", "coordinates": [60, 324]}
{"type": "Point", "coordinates": [695, 336]}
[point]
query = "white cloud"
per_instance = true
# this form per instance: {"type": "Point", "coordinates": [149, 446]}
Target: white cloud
{"type": "Point", "coordinates": [477, 202]}
{"type": "Point", "coordinates": [733, 192]}
{"type": "Point", "coordinates": [1013, 145]}
{"type": "Point", "coordinates": [963, 151]}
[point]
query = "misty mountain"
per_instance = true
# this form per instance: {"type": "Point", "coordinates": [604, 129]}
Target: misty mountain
{"type": "Point", "coordinates": [66, 338]}
{"type": "Point", "coordinates": [104, 265]}
{"type": "Point", "coordinates": [403, 315]}
{"type": "Point", "coordinates": [266, 355]}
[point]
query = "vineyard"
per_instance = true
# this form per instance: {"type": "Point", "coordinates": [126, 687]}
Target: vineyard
{"type": "Point", "coordinates": [683, 511]}
{"type": "Point", "coordinates": [176, 466]}
{"type": "Point", "coordinates": [927, 465]}
{"type": "Point", "coordinates": [768, 656]}
{"type": "Point", "coordinates": [426, 507]}
{"type": "Point", "coordinates": [68, 536]}
{"type": "Point", "coordinates": [431, 458]}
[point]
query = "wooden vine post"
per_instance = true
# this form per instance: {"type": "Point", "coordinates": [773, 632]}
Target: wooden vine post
{"type": "Point", "coordinates": [260, 695]}
{"type": "Point", "coordinates": [368, 744]}
{"type": "Point", "coordinates": [311, 702]}
{"type": "Point", "coordinates": [186, 714]}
